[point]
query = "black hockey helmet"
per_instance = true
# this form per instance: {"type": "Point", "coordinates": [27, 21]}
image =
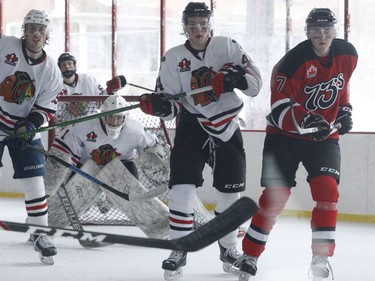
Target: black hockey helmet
{"type": "Point", "coordinates": [65, 57]}
{"type": "Point", "coordinates": [321, 17]}
{"type": "Point", "coordinates": [195, 9]}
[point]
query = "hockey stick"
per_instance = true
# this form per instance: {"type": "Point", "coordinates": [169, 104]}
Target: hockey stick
{"type": "Point", "coordinates": [140, 87]}
{"type": "Point", "coordinates": [102, 114]}
{"type": "Point", "coordinates": [129, 197]}
{"type": "Point", "coordinates": [229, 220]}
{"type": "Point", "coordinates": [74, 220]}
{"type": "Point", "coordinates": [304, 131]}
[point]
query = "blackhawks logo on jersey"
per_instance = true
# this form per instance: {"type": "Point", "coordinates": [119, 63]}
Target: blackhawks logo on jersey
{"type": "Point", "coordinates": [202, 77]}
{"type": "Point", "coordinates": [17, 88]}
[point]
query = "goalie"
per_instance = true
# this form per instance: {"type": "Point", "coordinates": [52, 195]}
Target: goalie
{"type": "Point", "coordinates": [106, 148]}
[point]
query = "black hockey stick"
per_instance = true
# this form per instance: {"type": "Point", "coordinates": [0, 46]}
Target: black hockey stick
{"type": "Point", "coordinates": [139, 87]}
{"type": "Point", "coordinates": [305, 131]}
{"type": "Point", "coordinates": [229, 220]}
{"type": "Point", "coordinates": [102, 114]}
{"type": "Point", "coordinates": [74, 220]}
{"type": "Point", "coordinates": [129, 197]}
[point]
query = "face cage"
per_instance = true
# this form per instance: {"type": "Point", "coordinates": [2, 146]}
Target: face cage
{"type": "Point", "coordinates": [113, 132]}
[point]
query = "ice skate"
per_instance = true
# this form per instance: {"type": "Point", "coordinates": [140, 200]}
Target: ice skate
{"type": "Point", "coordinates": [45, 248]}
{"type": "Point", "coordinates": [173, 265]}
{"type": "Point", "coordinates": [320, 268]}
{"type": "Point", "coordinates": [247, 266]}
{"type": "Point", "coordinates": [229, 257]}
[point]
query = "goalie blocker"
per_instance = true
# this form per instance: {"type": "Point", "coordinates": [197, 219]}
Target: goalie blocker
{"type": "Point", "coordinates": [151, 216]}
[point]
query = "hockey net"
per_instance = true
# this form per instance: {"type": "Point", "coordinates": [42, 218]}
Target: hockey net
{"type": "Point", "coordinates": [103, 212]}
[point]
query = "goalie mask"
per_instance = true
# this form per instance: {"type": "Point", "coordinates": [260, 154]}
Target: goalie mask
{"type": "Point", "coordinates": [114, 123]}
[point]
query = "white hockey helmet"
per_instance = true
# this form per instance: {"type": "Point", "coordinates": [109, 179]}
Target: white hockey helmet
{"type": "Point", "coordinates": [114, 123]}
{"type": "Point", "coordinates": [38, 17]}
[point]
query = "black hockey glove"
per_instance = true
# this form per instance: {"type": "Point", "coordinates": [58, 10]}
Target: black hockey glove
{"type": "Point", "coordinates": [230, 76]}
{"type": "Point", "coordinates": [344, 117]}
{"type": "Point", "coordinates": [20, 127]}
{"type": "Point", "coordinates": [153, 104]}
{"type": "Point", "coordinates": [313, 120]}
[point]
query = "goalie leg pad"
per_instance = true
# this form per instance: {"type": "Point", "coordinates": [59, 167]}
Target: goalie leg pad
{"type": "Point", "coordinates": [82, 193]}
{"type": "Point", "coordinates": [155, 159]}
{"type": "Point", "coordinates": [56, 173]}
{"type": "Point", "coordinates": [151, 216]}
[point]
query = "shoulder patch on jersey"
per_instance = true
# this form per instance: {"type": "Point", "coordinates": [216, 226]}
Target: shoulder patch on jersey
{"type": "Point", "coordinates": [184, 65]}
{"type": "Point", "coordinates": [91, 136]}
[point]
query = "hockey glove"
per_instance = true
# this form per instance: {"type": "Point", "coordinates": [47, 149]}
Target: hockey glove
{"type": "Point", "coordinates": [104, 154]}
{"type": "Point", "coordinates": [153, 104]}
{"type": "Point", "coordinates": [344, 117]}
{"type": "Point", "coordinates": [115, 84]}
{"type": "Point", "coordinates": [229, 77]}
{"type": "Point", "coordinates": [313, 120]}
{"type": "Point", "coordinates": [21, 127]}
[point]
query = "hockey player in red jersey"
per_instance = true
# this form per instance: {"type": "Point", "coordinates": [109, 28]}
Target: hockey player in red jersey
{"type": "Point", "coordinates": [29, 84]}
{"type": "Point", "coordinates": [309, 93]}
{"type": "Point", "coordinates": [208, 130]}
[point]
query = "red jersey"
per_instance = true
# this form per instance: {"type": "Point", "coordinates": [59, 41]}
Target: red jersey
{"type": "Point", "coordinates": [311, 84]}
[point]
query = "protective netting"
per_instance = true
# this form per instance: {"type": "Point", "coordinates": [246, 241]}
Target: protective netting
{"type": "Point", "coordinates": [103, 212]}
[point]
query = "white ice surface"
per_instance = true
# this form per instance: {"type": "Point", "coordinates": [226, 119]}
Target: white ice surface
{"type": "Point", "coordinates": [286, 258]}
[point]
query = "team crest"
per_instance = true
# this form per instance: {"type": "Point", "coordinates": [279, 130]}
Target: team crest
{"type": "Point", "coordinates": [200, 78]}
{"type": "Point", "coordinates": [184, 65]}
{"type": "Point", "coordinates": [11, 59]}
{"type": "Point", "coordinates": [17, 88]}
{"type": "Point", "coordinates": [311, 71]}
{"type": "Point", "coordinates": [91, 137]}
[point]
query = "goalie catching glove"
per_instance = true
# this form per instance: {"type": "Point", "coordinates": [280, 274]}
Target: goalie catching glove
{"type": "Point", "coordinates": [104, 154]}
{"type": "Point", "coordinates": [230, 76]}
{"type": "Point", "coordinates": [115, 84]}
{"type": "Point", "coordinates": [313, 120]}
{"type": "Point", "coordinates": [153, 104]}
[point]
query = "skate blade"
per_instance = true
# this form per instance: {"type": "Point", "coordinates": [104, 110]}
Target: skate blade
{"type": "Point", "coordinates": [230, 268]}
{"type": "Point", "coordinates": [244, 276]}
{"type": "Point", "coordinates": [46, 260]}
{"type": "Point", "coordinates": [173, 275]}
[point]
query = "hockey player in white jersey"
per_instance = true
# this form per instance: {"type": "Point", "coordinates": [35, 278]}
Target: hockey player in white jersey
{"type": "Point", "coordinates": [29, 84]}
{"type": "Point", "coordinates": [82, 84]}
{"type": "Point", "coordinates": [208, 130]}
{"type": "Point", "coordinates": [107, 147]}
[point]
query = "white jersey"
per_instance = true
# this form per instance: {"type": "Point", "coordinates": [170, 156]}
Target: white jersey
{"type": "Point", "coordinates": [26, 86]}
{"type": "Point", "coordinates": [183, 69]}
{"type": "Point", "coordinates": [86, 84]}
{"type": "Point", "coordinates": [80, 139]}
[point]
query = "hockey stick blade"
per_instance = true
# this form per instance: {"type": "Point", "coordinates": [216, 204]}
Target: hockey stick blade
{"type": "Point", "coordinates": [74, 220]}
{"type": "Point", "coordinates": [242, 210]}
{"type": "Point", "coordinates": [109, 112]}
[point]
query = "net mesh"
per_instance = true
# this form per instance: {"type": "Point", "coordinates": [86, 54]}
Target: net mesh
{"type": "Point", "coordinates": [102, 212]}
